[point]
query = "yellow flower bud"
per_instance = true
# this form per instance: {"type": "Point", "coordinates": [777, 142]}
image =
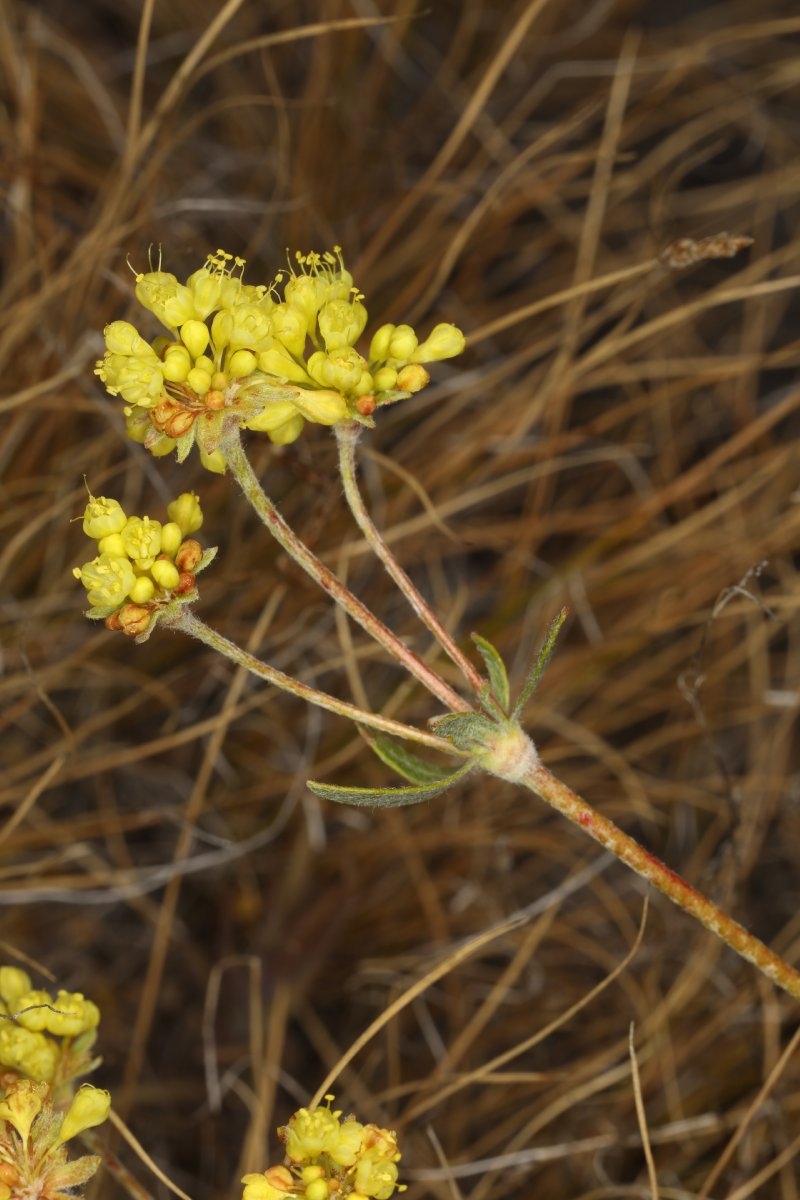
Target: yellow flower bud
{"type": "Point", "coordinates": [213, 462]}
{"type": "Point", "coordinates": [199, 380]}
{"type": "Point", "coordinates": [137, 424]}
{"type": "Point", "coordinates": [384, 379]}
{"type": "Point", "coordinates": [274, 414]}
{"type": "Point", "coordinates": [276, 361]}
{"type": "Point", "coordinates": [164, 445]}
{"type": "Point", "coordinates": [259, 1187]}
{"type": "Point", "coordinates": [143, 590]}
{"type": "Point", "coordinates": [381, 340]}
{"type": "Point", "coordinates": [402, 343]}
{"type": "Point", "coordinates": [102, 516]}
{"type": "Point", "coordinates": [165, 573]}
{"type": "Point", "coordinates": [14, 982]}
{"type": "Point", "coordinates": [309, 1174]}
{"type": "Point", "coordinates": [186, 512]}
{"type": "Point", "coordinates": [177, 364]}
{"type": "Point", "coordinates": [90, 1107]}
{"type": "Point", "coordinates": [317, 1190]}
{"type": "Point", "coordinates": [21, 1106]}
{"type": "Point", "coordinates": [171, 538]}
{"type": "Point", "coordinates": [445, 341]}
{"type": "Point", "coordinates": [412, 378]}
{"type": "Point", "coordinates": [287, 433]}
{"type": "Point", "coordinates": [206, 364]}
{"type": "Point", "coordinates": [112, 545]}
{"type": "Point", "coordinates": [195, 336]}
{"type": "Point", "coordinates": [123, 338]}
{"type": "Point", "coordinates": [322, 407]}
{"type": "Point", "coordinates": [242, 363]}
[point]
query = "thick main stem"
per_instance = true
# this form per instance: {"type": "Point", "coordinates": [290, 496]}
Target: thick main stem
{"type": "Point", "coordinates": [550, 788]}
{"type": "Point", "coordinates": [239, 464]}
{"type": "Point", "coordinates": [347, 436]}
{"type": "Point", "coordinates": [187, 622]}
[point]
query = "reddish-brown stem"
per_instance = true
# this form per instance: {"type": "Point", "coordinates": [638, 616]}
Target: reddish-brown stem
{"type": "Point", "coordinates": [550, 788]}
{"type": "Point", "coordinates": [239, 464]}
{"type": "Point", "coordinates": [347, 436]}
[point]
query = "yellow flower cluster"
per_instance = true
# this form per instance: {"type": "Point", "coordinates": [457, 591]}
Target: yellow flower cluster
{"type": "Point", "coordinates": [33, 1133]}
{"type": "Point", "coordinates": [142, 564]}
{"type": "Point", "coordinates": [329, 1157]}
{"type": "Point", "coordinates": [42, 1037]}
{"type": "Point", "coordinates": [266, 361]}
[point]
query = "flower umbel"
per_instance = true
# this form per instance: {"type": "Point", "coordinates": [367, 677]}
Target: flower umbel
{"type": "Point", "coordinates": [142, 565]}
{"type": "Point", "coordinates": [246, 354]}
{"type": "Point", "coordinates": [329, 1156]}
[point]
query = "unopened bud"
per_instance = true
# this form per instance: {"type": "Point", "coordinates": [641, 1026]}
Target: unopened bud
{"type": "Point", "coordinates": [189, 554]}
{"type": "Point", "coordinates": [413, 378]}
{"type": "Point", "coordinates": [133, 619]}
{"type": "Point", "coordinates": [186, 583]}
{"type": "Point", "coordinates": [366, 405]}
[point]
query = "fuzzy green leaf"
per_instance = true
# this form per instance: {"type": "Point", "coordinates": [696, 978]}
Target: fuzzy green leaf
{"type": "Point", "coordinates": [184, 443]}
{"type": "Point", "coordinates": [208, 556]}
{"type": "Point", "coordinates": [541, 661]}
{"type": "Point", "coordinates": [496, 668]}
{"type": "Point", "coordinates": [404, 761]}
{"type": "Point", "coordinates": [467, 731]}
{"type": "Point", "coordinates": [386, 797]}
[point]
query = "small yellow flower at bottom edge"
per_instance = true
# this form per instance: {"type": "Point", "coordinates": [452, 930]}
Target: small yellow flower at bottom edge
{"type": "Point", "coordinates": [258, 1187]}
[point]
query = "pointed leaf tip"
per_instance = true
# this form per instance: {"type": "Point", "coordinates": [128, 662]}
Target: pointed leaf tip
{"type": "Point", "coordinates": [540, 662]}
{"type": "Point", "coordinates": [496, 668]}
{"type": "Point", "coordinates": [401, 797]}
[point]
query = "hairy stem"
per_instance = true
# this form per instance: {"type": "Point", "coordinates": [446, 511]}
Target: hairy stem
{"type": "Point", "coordinates": [285, 536]}
{"type": "Point", "coordinates": [187, 622]}
{"type": "Point", "coordinates": [347, 436]}
{"type": "Point", "coordinates": [538, 779]}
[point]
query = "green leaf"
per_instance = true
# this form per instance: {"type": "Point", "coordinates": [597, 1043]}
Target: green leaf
{"type": "Point", "coordinates": [386, 797]}
{"type": "Point", "coordinates": [467, 731]}
{"type": "Point", "coordinates": [498, 676]}
{"type": "Point", "coordinates": [542, 659]}
{"type": "Point", "coordinates": [404, 761]}
{"type": "Point", "coordinates": [184, 443]}
{"type": "Point", "coordinates": [208, 557]}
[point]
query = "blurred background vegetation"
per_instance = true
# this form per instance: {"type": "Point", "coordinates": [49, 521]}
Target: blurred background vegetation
{"type": "Point", "coordinates": [620, 437]}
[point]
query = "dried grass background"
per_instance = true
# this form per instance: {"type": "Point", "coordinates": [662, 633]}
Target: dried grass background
{"type": "Point", "coordinates": [619, 437]}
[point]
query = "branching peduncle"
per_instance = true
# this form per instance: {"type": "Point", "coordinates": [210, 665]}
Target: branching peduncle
{"type": "Point", "coordinates": [184, 620]}
{"type": "Point", "coordinates": [241, 469]}
{"type": "Point", "coordinates": [347, 437]}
